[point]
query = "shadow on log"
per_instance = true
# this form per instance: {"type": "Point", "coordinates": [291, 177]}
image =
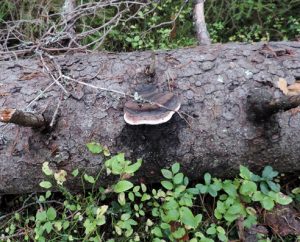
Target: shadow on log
{"type": "Point", "coordinates": [235, 112]}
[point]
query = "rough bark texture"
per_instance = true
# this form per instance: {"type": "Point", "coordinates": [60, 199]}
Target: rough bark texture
{"type": "Point", "coordinates": [214, 83]}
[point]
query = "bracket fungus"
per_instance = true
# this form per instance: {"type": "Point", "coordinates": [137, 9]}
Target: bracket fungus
{"type": "Point", "coordinates": [151, 106]}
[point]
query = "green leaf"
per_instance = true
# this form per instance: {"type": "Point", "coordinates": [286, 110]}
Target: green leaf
{"type": "Point", "coordinates": [217, 185]}
{"type": "Point", "coordinates": [122, 199]}
{"type": "Point", "coordinates": [106, 151]}
{"type": "Point", "coordinates": [187, 217]}
{"type": "Point", "coordinates": [41, 216]}
{"type": "Point", "coordinates": [89, 179]}
{"type": "Point", "coordinates": [229, 201]}
{"type": "Point", "coordinates": [166, 173]}
{"type": "Point", "coordinates": [168, 185]}
{"type": "Point", "coordinates": [211, 230]}
{"type": "Point", "coordinates": [231, 217]}
{"type": "Point", "coordinates": [89, 225]}
{"type": "Point", "coordinates": [274, 187]}
{"type": "Point", "coordinates": [179, 233]}
{"type": "Point", "coordinates": [186, 181]}
{"type": "Point", "coordinates": [157, 232]}
{"type": "Point", "coordinates": [17, 216]}
{"type": "Point", "coordinates": [178, 178]}
{"type": "Point", "coordinates": [257, 196]}
{"type": "Point", "coordinates": [272, 195]}
{"type": "Point", "coordinates": [256, 178]}
{"type": "Point", "coordinates": [171, 204]}
{"type": "Point", "coordinates": [198, 218]}
{"type": "Point", "coordinates": [171, 215]}
{"type": "Point", "coordinates": [267, 203]}
{"type": "Point", "coordinates": [145, 197]}
{"type": "Point", "coordinates": [122, 186]}
{"type": "Point", "coordinates": [45, 184]}
{"type": "Point", "coordinates": [248, 187]}
{"type": "Point", "coordinates": [193, 191]}
{"type": "Point", "coordinates": [202, 188]}
{"type": "Point", "coordinates": [131, 196]}
{"type": "Point", "coordinates": [264, 187]}
{"type": "Point", "coordinates": [48, 227]}
{"type": "Point", "coordinates": [155, 212]}
{"type": "Point", "coordinates": [58, 225]}
{"type": "Point", "coordinates": [46, 169]}
{"type": "Point", "coordinates": [66, 224]}
{"type": "Point", "coordinates": [94, 148]}
{"type": "Point", "coordinates": [269, 173]}
{"type": "Point", "coordinates": [296, 190]}
{"type": "Point", "coordinates": [118, 164]}
{"type": "Point", "coordinates": [75, 172]}
{"type": "Point", "coordinates": [283, 199]}
{"type": "Point", "coordinates": [245, 173]}
{"type": "Point", "coordinates": [221, 207]}
{"type": "Point", "coordinates": [212, 192]}
{"type": "Point", "coordinates": [119, 158]}
{"type": "Point", "coordinates": [229, 188]}
{"type": "Point", "coordinates": [136, 189]}
{"type": "Point", "coordinates": [51, 213]}
{"type": "Point", "coordinates": [165, 226]}
{"type": "Point", "coordinates": [149, 222]}
{"type": "Point", "coordinates": [221, 230]}
{"type": "Point", "coordinates": [132, 222]}
{"type": "Point", "coordinates": [251, 211]}
{"type": "Point", "coordinates": [42, 198]}
{"type": "Point", "coordinates": [235, 209]}
{"type": "Point", "coordinates": [222, 237]}
{"type": "Point", "coordinates": [101, 210]}
{"type": "Point", "coordinates": [186, 201]}
{"type": "Point", "coordinates": [175, 168]}
{"type": "Point", "coordinates": [134, 167]}
{"type": "Point", "coordinates": [217, 214]}
{"type": "Point", "coordinates": [144, 188]}
{"type": "Point", "coordinates": [179, 189]}
{"type": "Point", "coordinates": [207, 178]}
{"type": "Point", "coordinates": [125, 216]}
{"type": "Point", "coordinates": [250, 221]}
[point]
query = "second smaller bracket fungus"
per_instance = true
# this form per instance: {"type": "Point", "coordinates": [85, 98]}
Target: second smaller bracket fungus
{"type": "Point", "coordinates": [151, 106]}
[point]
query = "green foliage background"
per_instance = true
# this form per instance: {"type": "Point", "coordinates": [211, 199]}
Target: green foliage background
{"type": "Point", "coordinates": [227, 20]}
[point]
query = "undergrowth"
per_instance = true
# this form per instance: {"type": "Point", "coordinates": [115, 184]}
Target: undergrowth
{"type": "Point", "coordinates": [152, 27]}
{"type": "Point", "coordinates": [174, 210]}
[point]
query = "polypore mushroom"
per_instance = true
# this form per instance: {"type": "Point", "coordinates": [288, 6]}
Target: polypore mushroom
{"type": "Point", "coordinates": [151, 106]}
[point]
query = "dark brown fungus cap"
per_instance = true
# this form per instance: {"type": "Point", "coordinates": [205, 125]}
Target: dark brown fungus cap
{"type": "Point", "coordinates": [153, 107]}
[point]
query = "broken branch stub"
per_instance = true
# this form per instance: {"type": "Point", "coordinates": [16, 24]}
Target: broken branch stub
{"type": "Point", "coordinates": [19, 117]}
{"type": "Point", "coordinates": [262, 105]}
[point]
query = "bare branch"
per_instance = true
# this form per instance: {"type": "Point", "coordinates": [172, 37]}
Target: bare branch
{"type": "Point", "coordinates": [57, 32]}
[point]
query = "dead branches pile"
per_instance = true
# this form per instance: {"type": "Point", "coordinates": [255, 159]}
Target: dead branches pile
{"type": "Point", "coordinates": [68, 26]}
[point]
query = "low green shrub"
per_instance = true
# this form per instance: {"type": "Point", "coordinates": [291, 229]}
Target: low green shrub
{"type": "Point", "coordinates": [175, 210]}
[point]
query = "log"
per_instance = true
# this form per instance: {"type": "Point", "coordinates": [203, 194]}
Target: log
{"type": "Point", "coordinates": [232, 112]}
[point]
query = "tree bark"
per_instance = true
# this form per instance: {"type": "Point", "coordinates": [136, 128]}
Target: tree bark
{"type": "Point", "coordinates": [200, 25]}
{"type": "Point", "coordinates": [221, 88]}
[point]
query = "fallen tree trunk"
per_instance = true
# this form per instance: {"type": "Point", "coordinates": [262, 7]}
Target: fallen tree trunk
{"type": "Point", "coordinates": [230, 93]}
